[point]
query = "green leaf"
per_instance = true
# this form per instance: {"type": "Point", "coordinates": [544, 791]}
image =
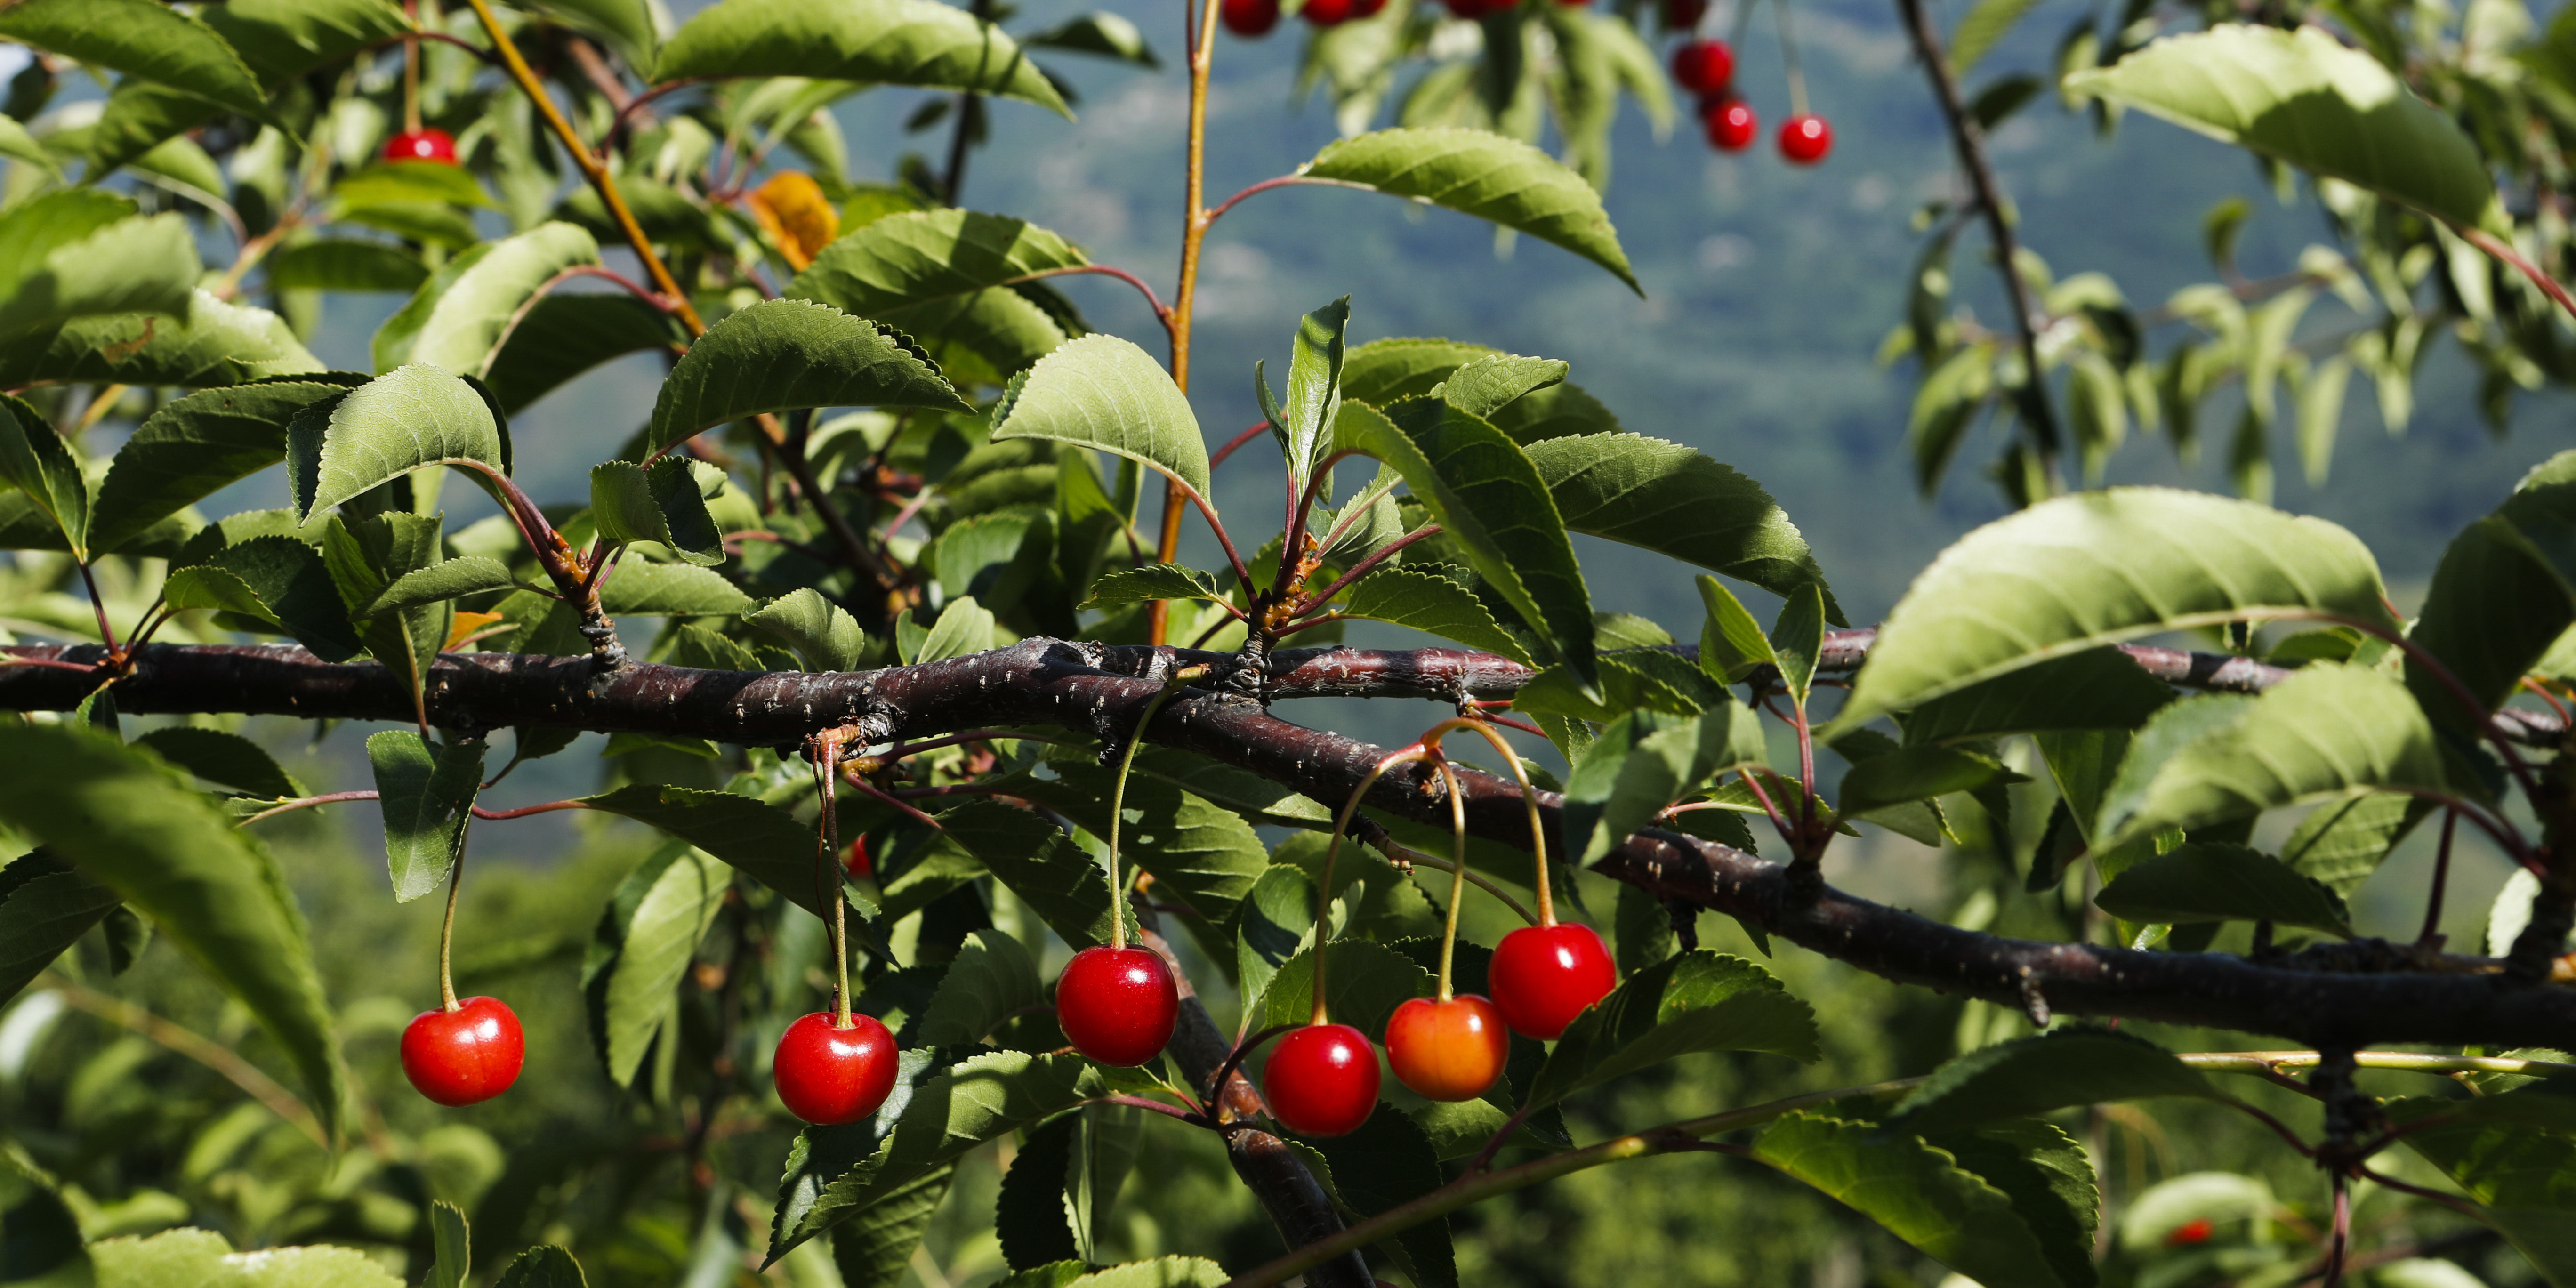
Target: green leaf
{"type": "Point", "coordinates": [1433, 603]}
{"type": "Point", "coordinates": [1388, 1162]}
{"type": "Point", "coordinates": [1645, 761]}
{"type": "Point", "coordinates": [2516, 1175]}
{"type": "Point", "coordinates": [823, 635]}
{"type": "Point", "coordinates": [1028, 1216]}
{"type": "Point", "coordinates": [2503, 594]}
{"type": "Point", "coordinates": [662, 503]}
{"type": "Point", "coordinates": [425, 794]}
{"type": "Point", "coordinates": [2100, 567]}
{"type": "Point", "coordinates": [991, 979]}
{"type": "Point", "coordinates": [779, 355]}
{"type": "Point", "coordinates": [1274, 920]}
{"type": "Point", "coordinates": [984, 338]}
{"type": "Point", "coordinates": [1485, 386]}
{"type": "Point", "coordinates": [1919, 1193]}
{"type": "Point", "coordinates": [1200, 851]}
{"type": "Point", "coordinates": [2341, 843]}
{"type": "Point", "coordinates": [2209, 882]}
{"type": "Point", "coordinates": [1304, 427]}
{"type": "Point", "coordinates": [451, 1248]}
{"type": "Point", "coordinates": [394, 424]}
{"type": "Point", "coordinates": [217, 344]}
{"type": "Point", "coordinates": [1161, 1272]}
{"type": "Point", "coordinates": [1042, 866]}
{"type": "Point", "coordinates": [1148, 583]}
{"type": "Point", "coordinates": [875, 1249]}
{"type": "Point", "coordinates": [45, 906]}
{"type": "Point", "coordinates": [884, 42]}
{"type": "Point", "coordinates": [440, 582]}
{"type": "Point", "coordinates": [1491, 177]}
{"type": "Point", "coordinates": [627, 25]}
{"type": "Point", "coordinates": [219, 757]}
{"type": "Point", "coordinates": [1484, 491]}
{"type": "Point", "coordinates": [2304, 98]}
{"type": "Point", "coordinates": [2328, 731]}
{"type": "Point", "coordinates": [2036, 1075]}
{"type": "Point", "coordinates": [435, 181]}
{"type": "Point", "coordinates": [469, 312]}
{"type": "Point", "coordinates": [834, 1173]}
{"type": "Point", "coordinates": [1363, 984]}
{"type": "Point", "coordinates": [190, 448]}
{"type": "Point", "coordinates": [643, 944]}
{"type": "Point", "coordinates": [1798, 640]}
{"type": "Point", "coordinates": [1099, 32]}
{"type": "Point", "coordinates": [35, 460]}
{"type": "Point", "coordinates": [1986, 22]}
{"type": "Point", "coordinates": [964, 628]}
{"type": "Point", "coordinates": [1698, 1001]}
{"type": "Point", "coordinates": [543, 1267]}
{"type": "Point", "coordinates": [202, 1259]}
{"type": "Point", "coordinates": [764, 841]}
{"type": "Point", "coordinates": [2049, 1179]}
{"type": "Point", "coordinates": [671, 590]}
{"type": "Point", "coordinates": [143, 39]}
{"type": "Point", "coordinates": [1918, 774]}
{"type": "Point", "coordinates": [147, 264]}
{"type": "Point", "coordinates": [2096, 689]}
{"type": "Point", "coordinates": [130, 824]}
{"type": "Point", "coordinates": [1672, 500]}
{"type": "Point", "coordinates": [276, 579]}
{"type": "Point", "coordinates": [917, 257]}
{"type": "Point", "coordinates": [1731, 644]}
{"type": "Point", "coordinates": [1103, 392]}
{"type": "Point", "coordinates": [562, 336]}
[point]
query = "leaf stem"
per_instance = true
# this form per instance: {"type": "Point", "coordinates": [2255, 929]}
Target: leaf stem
{"type": "Point", "coordinates": [1368, 563]}
{"type": "Point", "coordinates": [1236, 442]}
{"type": "Point", "coordinates": [1162, 312]}
{"type": "Point", "coordinates": [2432, 933]}
{"type": "Point", "coordinates": [1201, 18]}
{"type": "Point", "coordinates": [2504, 251]}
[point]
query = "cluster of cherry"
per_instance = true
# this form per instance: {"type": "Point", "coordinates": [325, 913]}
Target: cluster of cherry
{"type": "Point", "coordinates": [1706, 68]}
{"type": "Point", "coordinates": [1255, 18]}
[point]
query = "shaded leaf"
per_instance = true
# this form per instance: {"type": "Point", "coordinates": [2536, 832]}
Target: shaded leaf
{"type": "Point", "coordinates": [219, 757]}
{"type": "Point", "coordinates": [2035, 1075]}
{"type": "Point", "coordinates": [641, 948]}
{"type": "Point", "coordinates": [1917, 1192]}
{"type": "Point", "coordinates": [1645, 761]}
{"type": "Point", "coordinates": [1672, 500]}
{"type": "Point", "coordinates": [424, 793]}
{"type": "Point", "coordinates": [784, 354]}
{"type": "Point", "coordinates": [991, 979]}
{"type": "Point", "coordinates": [215, 344]}
{"type": "Point", "coordinates": [1363, 984]}
{"type": "Point", "coordinates": [2096, 689]}
{"type": "Point", "coordinates": [823, 635]}
{"type": "Point", "coordinates": [662, 503]}
{"type": "Point", "coordinates": [2210, 882]}
{"type": "Point", "coordinates": [142, 39]}
{"type": "Point", "coordinates": [188, 449]}
{"type": "Point", "coordinates": [764, 841]}
{"type": "Point", "coordinates": [1698, 1001]}
{"type": "Point", "coordinates": [45, 907]}
{"type": "Point", "coordinates": [1066, 887]}
{"type": "Point", "coordinates": [1433, 603]}
{"type": "Point", "coordinates": [459, 317]}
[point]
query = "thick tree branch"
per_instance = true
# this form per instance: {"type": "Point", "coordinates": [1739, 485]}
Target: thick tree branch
{"type": "Point", "coordinates": [2336, 996]}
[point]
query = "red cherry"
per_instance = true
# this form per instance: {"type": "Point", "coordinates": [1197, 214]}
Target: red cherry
{"type": "Point", "coordinates": [1117, 1005]}
{"type": "Point", "coordinates": [1543, 976]}
{"type": "Point", "coordinates": [1322, 1080]}
{"type": "Point", "coordinates": [1730, 123]}
{"type": "Point", "coordinates": [1449, 1050]}
{"type": "Point", "coordinates": [857, 861]}
{"type": "Point", "coordinates": [828, 1075]}
{"type": "Point", "coordinates": [1326, 13]}
{"type": "Point", "coordinates": [1249, 17]}
{"type": "Point", "coordinates": [1704, 66]}
{"type": "Point", "coordinates": [2190, 1232]}
{"type": "Point", "coordinates": [1683, 15]}
{"type": "Point", "coordinates": [465, 1056]}
{"type": "Point", "coordinates": [1806, 139]}
{"type": "Point", "coordinates": [431, 144]}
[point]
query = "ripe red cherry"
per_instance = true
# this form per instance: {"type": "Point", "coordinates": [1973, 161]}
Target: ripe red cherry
{"type": "Point", "coordinates": [1449, 1050]}
{"type": "Point", "coordinates": [1806, 139]}
{"type": "Point", "coordinates": [1326, 13]}
{"type": "Point", "coordinates": [857, 861]}
{"type": "Point", "coordinates": [431, 144]}
{"type": "Point", "coordinates": [1117, 1005]}
{"type": "Point", "coordinates": [2190, 1232]}
{"type": "Point", "coordinates": [1704, 66]}
{"type": "Point", "coordinates": [1730, 123]}
{"type": "Point", "coordinates": [1249, 17]}
{"type": "Point", "coordinates": [827, 1075]}
{"type": "Point", "coordinates": [1543, 976]}
{"type": "Point", "coordinates": [465, 1056]}
{"type": "Point", "coordinates": [1322, 1080]}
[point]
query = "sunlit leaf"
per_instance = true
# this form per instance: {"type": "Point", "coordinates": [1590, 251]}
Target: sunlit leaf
{"type": "Point", "coordinates": [1485, 175]}
{"type": "Point", "coordinates": [1698, 1001]}
{"type": "Point", "coordinates": [885, 42]}
{"type": "Point", "coordinates": [1103, 392]}
{"type": "Point", "coordinates": [783, 354]}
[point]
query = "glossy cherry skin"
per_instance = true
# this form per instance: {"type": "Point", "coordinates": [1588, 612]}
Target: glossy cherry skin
{"type": "Point", "coordinates": [1543, 976]}
{"type": "Point", "coordinates": [857, 861]}
{"type": "Point", "coordinates": [1730, 123]}
{"type": "Point", "coordinates": [2191, 1233]}
{"type": "Point", "coordinates": [1322, 1080]}
{"type": "Point", "coordinates": [1449, 1050]}
{"type": "Point", "coordinates": [1806, 139]}
{"type": "Point", "coordinates": [1326, 13]}
{"type": "Point", "coordinates": [1117, 1005]}
{"type": "Point", "coordinates": [1249, 17]}
{"type": "Point", "coordinates": [432, 144]}
{"type": "Point", "coordinates": [465, 1056]}
{"type": "Point", "coordinates": [1704, 66]}
{"type": "Point", "coordinates": [827, 1075]}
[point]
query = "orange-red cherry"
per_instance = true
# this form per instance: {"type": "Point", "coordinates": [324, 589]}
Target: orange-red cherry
{"type": "Point", "coordinates": [1806, 139]}
{"type": "Point", "coordinates": [1704, 66]}
{"type": "Point", "coordinates": [1322, 1080]}
{"type": "Point", "coordinates": [1449, 1050]}
{"type": "Point", "coordinates": [1543, 976]}
{"type": "Point", "coordinates": [830, 1075]}
{"type": "Point", "coordinates": [1730, 123]}
{"type": "Point", "coordinates": [465, 1056]}
{"type": "Point", "coordinates": [1117, 1005]}
{"type": "Point", "coordinates": [1249, 18]}
{"type": "Point", "coordinates": [857, 862]}
{"type": "Point", "coordinates": [431, 144]}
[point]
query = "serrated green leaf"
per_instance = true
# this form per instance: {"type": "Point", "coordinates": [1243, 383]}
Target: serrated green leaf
{"type": "Point", "coordinates": [1103, 392]}
{"type": "Point", "coordinates": [1918, 1193]}
{"type": "Point", "coordinates": [2097, 568]}
{"type": "Point", "coordinates": [2095, 689]}
{"type": "Point", "coordinates": [1731, 644]}
{"type": "Point", "coordinates": [1028, 1215]}
{"type": "Point", "coordinates": [45, 906]}
{"type": "Point", "coordinates": [562, 336]}
{"type": "Point", "coordinates": [411, 181]}
{"type": "Point", "coordinates": [875, 1248]}
{"type": "Point", "coordinates": [1645, 761]}
{"type": "Point", "coordinates": [439, 582]}
{"type": "Point", "coordinates": [188, 449]}
{"type": "Point", "coordinates": [2049, 1179]}
{"type": "Point", "coordinates": [913, 258]}
{"type": "Point", "coordinates": [2210, 882]}
{"type": "Point", "coordinates": [202, 1258]}
{"type": "Point", "coordinates": [662, 503]}
{"type": "Point", "coordinates": [1430, 602]}
{"type": "Point", "coordinates": [823, 635]}
{"type": "Point", "coordinates": [1066, 887]}
{"type": "Point", "coordinates": [2503, 594]}
{"type": "Point", "coordinates": [142, 39]}
{"type": "Point", "coordinates": [1363, 984]}
{"type": "Point", "coordinates": [424, 793]}
{"type": "Point", "coordinates": [1304, 426]}
{"type": "Point", "coordinates": [628, 26]}
{"type": "Point", "coordinates": [219, 757]}
{"type": "Point", "coordinates": [1200, 851]}
{"type": "Point", "coordinates": [467, 313]}
{"type": "Point", "coordinates": [764, 841]}
{"type": "Point", "coordinates": [542, 1267]}
{"type": "Point", "coordinates": [215, 344]}
{"type": "Point", "coordinates": [884, 42]}
{"type": "Point", "coordinates": [1798, 640]}
{"type": "Point", "coordinates": [1916, 774]}
{"type": "Point", "coordinates": [345, 264]}
{"type": "Point", "coordinates": [2304, 98]}
{"type": "Point", "coordinates": [1483, 387]}
{"type": "Point", "coordinates": [277, 579]}
{"type": "Point", "coordinates": [2342, 843]}
{"type": "Point", "coordinates": [671, 590]}
{"type": "Point", "coordinates": [1148, 583]}
{"type": "Point", "coordinates": [2035, 1075]}
{"type": "Point", "coordinates": [641, 948]}
{"type": "Point", "coordinates": [396, 423]}
{"type": "Point", "coordinates": [35, 460]}
{"type": "Point", "coordinates": [1672, 500]}
{"type": "Point", "coordinates": [128, 823]}
{"type": "Point", "coordinates": [2517, 1176]}
{"type": "Point", "coordinates": [991, 979]}
{"type": "Point", "coordinates": [1491, 177]}
{"type": "Point", "coordinates": [2328, 731]}
{"type": "Point", "coordinates": [984, 338]}
{"type": "Point", "coordinates": [783, 354]}
{"type": "Point", "coordinates": [451, 1247]}
{"type": "Point", "coordinates": [1274, 919]}
{"type": "Point", "coordinates": [1698, 1001]}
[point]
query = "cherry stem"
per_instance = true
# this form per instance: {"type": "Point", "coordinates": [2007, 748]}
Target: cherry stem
{"type": "Point", "coordinates": [2441, 881]}
{"type": "Point", "coordinates": [1332, 850]}
{"type": "Point", "coordinates": [1789, 60]}
{"type": "Point", "coordinates": [826, 755]}
{"type": "Point", "coordinates": [1402, 854]}
{"type": "Point", "coordinates": [1529, 798]}
{"type": "Point", "coordinates": [1118, 913]}
{"type": "Point", "coordinates": [1234, 1059]}
{"type": "Point", "coordinates": [1457, 874]}
{"type": "Point", "coordinates": [447, 931]}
